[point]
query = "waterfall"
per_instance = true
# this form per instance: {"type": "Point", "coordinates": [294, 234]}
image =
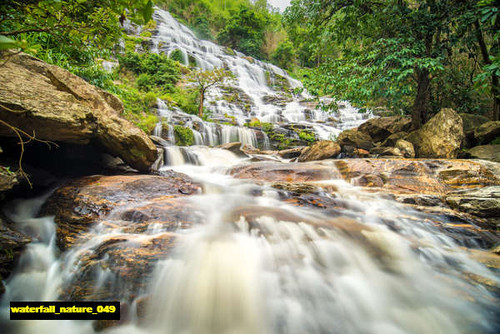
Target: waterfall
{"type": "Point", "coordinates": [262, 91]}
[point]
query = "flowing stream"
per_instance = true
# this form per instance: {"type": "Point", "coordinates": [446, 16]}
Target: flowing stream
{"type": "Point", "coordinates": [287, 269]}
{"type": "Point", "coordinates": [256, 263]}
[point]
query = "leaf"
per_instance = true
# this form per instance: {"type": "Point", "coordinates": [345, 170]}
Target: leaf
{"type": "Point", "coordinates": [147, 11]}
{"type": "Point", "coordinates": [7, 43]}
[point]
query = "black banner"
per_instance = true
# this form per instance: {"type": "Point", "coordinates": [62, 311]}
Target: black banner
{"type": "Point", "coordinates": [64, 310]}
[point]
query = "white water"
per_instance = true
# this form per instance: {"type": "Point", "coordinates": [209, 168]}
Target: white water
{"type": "Point", "coordinates": [286, 270]}
{"type": "Point", "coordinates": [253, 78]}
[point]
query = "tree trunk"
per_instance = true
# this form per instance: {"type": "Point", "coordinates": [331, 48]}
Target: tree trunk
{"type": "Point", "coordinates": [420, 105]}
{"type": "Point", "coordinates": [200, 107]}
{"type": "Point", "coordinates": [495, 81]}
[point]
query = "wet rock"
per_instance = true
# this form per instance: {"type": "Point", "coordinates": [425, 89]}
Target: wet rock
{"type": "Point", "coordinates": [482, 202]}
{"type": "Point", "coordinates": [381, 128]}
{"type": "Point", "coordinates": [356, 139]}
{"type": "Point", "coordinates": [290, 172]}
{"type": "Point", "coordinates": [59, 106]}
{"type": "Point", "coordinates": [441, 137]}
{"type": "Point", "coordinates": [277, 100]}
{"type": "Point", "coordinates": [406, 148]}
{"type": "Point", "coordinates": [11, 245]}
{"type": "Point", "coordinates": [235, 148]}
{"type": "Point", "coordinates": [486, 152]}
{"type": "Point", "coordinates": [324, 149]}
{"type": "Point", "coordinates": [291, 153]}
{"type": "Point", "coordinates": [487, 132]}
{"type": "Point", "coordinates": [419, 176]}
{"type": "Point", "coordinates": [80, 203]}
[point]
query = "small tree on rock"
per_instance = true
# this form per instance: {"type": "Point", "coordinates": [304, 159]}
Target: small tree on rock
{"type": "Point", "coordinates": [208, 79]}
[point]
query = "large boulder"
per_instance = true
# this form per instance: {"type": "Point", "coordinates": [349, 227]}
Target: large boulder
{"type": "Point", "coordinates": [381, 128]}
{"type": "Point", "coordinates": [324, 149]}
{"type": "Point", "coordinates": [406, 148]}
{"type": "Point", "coordinates": [485, 152]}
{"type": "Point", "coordinates": [354, 139]}
{"type": "Point", "coordinates": [59, 106]}
{"type": "Point", "coordinates": [441, 137]}
{"type": "Point", "coordinates": [79, 204]}
{"type": "Point", "coordinates": [487, 132]}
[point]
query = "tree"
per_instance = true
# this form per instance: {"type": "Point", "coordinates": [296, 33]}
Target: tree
{"type": "Point", "coordinates": [208, 79]}
{"type": "Point", "coordinates": [390, 51]}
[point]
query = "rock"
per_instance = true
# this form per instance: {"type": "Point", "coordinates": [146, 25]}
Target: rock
{"type": "Point", "coordinates": [470, 123]}
{"type": "Point", "coordinates": [392, 139]}
{"type": "Point", "coordinates": [355, 138]}
{"type": "Point", "coordinates": [11, 245]}
{"type": "Point", "coordinates": [441, 137]}
{"type": "Point", "coordinates": [406, 148]}
{"type": "Point", "coordinates": [386, 151]}
{"type": "Point", "coordinates": [285, 172]}
{"type": "Point", "coordinates": [291, 153]}
{"type": "Point", "coordinates": [324, 149]}
{"type": "Point", "coordinates": [235, 148]}
{"type": "Point", "coordinates": [487, 132]}
{"type": "Point", "coordinates": [381, 128]}
{"type": "Point", "coordinates": [62, 107]}
{"type": "Point", "coordinates": [8, 180]}
{"type": "Point", "coordinates": [80, 203]}
{"type": "Point", "coordinates": [482, 202]}
{"type": "Point", "coordinates": [486, 152]}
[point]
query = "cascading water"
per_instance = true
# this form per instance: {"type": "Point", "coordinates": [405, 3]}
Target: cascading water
{"type": "Point", "coordinates": [253, 263]}
{"type": "Point", "coordinates": [259, 265]}
{"type": "Point", "coordinates": [262, 91]}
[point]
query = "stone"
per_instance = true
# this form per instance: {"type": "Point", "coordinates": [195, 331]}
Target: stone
{"type": "Point", "coordinates": [486, 152]}
{"type": "Point", "coordinates": [392, 139]}
{"type": "Point", "coordinates": [8, 180]}
{"type": "Point", "coordinates": [386, 151]}
{"type": "Point", "coordinates": [80, 203]}
{"type": "Point", "coordinates": [482, 202]}
{"type": "Point", "coordinates": [406, 148]}
{"type": "Point", "coordinates": [472, 121]}
{"type": "Point", "coordinates": [285, 172]}
{"type": "Point", "coordinates": [291, 153]}
{"type": "Point", "coordinates": [323, 149]}
{"type": "Point", "coordinates": [11, 245]}
{"type": "Point", "coordinates": [235, 148]}
{"type": "Point", "coordinates": [356, 139]}
{"type": "Point", "coordinates": [62, 107]}
{"type": "Point", "coordinates": [487, 132]}
{"type": "Point", "coordinates": [440, 137]}
{"type": "Point", "coordinates": [382, 127]}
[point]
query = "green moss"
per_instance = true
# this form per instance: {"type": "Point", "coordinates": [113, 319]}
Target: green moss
{"type": "Point", "coordinates": [147, 34]}
{"type": "Point", "coordinates": [307, 136]}
{"type": "Point", "coordinates": [183, 136]}
{"type": "Point", "coordinates": [495, 141]}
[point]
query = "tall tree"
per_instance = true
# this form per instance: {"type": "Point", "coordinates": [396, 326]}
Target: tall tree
{"type": "Point", "coordinates": [389, 50]}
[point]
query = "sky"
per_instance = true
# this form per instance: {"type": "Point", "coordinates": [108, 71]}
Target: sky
{"type": "Point", "coordinates": [281, 4]}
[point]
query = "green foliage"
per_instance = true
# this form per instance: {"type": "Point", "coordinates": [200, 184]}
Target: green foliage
{"type": "Point", "coordinates": [307, 136]}
{"type": "Point", "coordinates": [284, 55]}
{"type": "Point", "coordinates": [153, 70]}
{"type": "Point", "coordinates": [177, 55]}
{"type": "Point", "coordinates": [183, 136]}
{"type": "Point", "coordinates": [205, 80]}
{"type": "Point", "coordinates": [380, 53]}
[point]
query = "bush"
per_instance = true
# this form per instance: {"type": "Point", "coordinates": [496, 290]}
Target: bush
{"type": "Point", "coordinates": [183, 136]}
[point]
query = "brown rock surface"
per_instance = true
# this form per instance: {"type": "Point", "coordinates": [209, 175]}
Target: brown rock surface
{"type": "Point", "coordinates": [80, 203]}
{"type": "Point", "coordinates": [487, 132]}
{"type": "Point", "coordinates": [59, 106]}
{"type": "Point", "coordinates": [355, 139]}
{"type": "Point", "coordinates": [324, 149]}
{"type": "Point", "coordinates": [381, 128]}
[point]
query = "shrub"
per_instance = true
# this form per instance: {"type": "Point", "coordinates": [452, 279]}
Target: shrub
{"type": "Point", "coordinates": [183, 136]}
